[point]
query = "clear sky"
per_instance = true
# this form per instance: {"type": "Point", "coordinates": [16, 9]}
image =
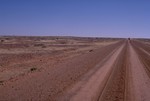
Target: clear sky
{"type": "Point", "coordinates": [102, 18]}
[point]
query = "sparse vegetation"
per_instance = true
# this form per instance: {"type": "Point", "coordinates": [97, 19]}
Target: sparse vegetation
{"type": "Point", "coordinates": [2, 41]}
{"type": "Point", "coordinates": [37, 45]}
{"type": "Point", "coordinates": [43, 46]}
{"type": "Point", "coordinates": [62, 41]}
{"type": "Point", "coordinates": [1, 82]}
{"type": "Point", "coordinates": [90, 50]}
{"type": "Point", "coordinates": [33, 69]}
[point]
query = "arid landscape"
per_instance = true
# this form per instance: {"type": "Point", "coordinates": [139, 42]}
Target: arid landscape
{"type": "Point", "coordinates": [74, 69]}
{"type": "Point", "coordinates": [74, 50]}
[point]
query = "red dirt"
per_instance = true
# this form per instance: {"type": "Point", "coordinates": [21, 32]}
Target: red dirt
{"type": "Point", "coordinates": [115, 72]}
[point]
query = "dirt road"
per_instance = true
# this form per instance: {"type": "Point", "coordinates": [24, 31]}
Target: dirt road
{"type": "Point", "coordinates": [116, 72]}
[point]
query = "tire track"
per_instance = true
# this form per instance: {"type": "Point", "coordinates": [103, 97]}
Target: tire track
{"type": "Point", "coordinates": [90, 89]}
{"type": "Point", "coordinates": [115, 87]}
{"type": "Point", "coordinates": [143, 54]}
{"type": "Point", "coordinates": [139, 82]}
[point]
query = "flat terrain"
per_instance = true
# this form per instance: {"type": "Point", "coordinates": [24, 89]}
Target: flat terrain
{"type": "Point", "coordinates": [74, 69]}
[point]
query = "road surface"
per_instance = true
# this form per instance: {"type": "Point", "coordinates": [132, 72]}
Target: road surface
{"type": "Point", "coordinates": [116, 72]}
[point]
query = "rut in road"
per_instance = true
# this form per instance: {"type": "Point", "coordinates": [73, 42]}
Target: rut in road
{"type": "Point", "coordinates": [90, 89]}
{"type": "Point", "coordinates": [114, 89]}
{"type": "Point", "coordinates": [139, 81]}
{"type": "Point", "coordinates": [121, 78]}
{"type": "Point", "coordinates": [131, 78]}
{"type": "Point", "coordinates": [143, 51]}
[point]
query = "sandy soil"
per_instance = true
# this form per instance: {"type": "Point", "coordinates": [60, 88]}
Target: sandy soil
{"type": "Point", "coordinates": [139, 81]}
{"type": "Point", "coordinates": [18, 55]}
{"type": "Point", "coordinates": [89, 87]}
{"type": "Point", "coordinates": [74, 69]}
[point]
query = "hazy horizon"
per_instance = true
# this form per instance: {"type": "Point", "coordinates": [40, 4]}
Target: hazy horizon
{"type": "Point", "coordinates": [86, 18]}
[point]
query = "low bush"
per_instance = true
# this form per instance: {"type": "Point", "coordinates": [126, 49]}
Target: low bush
{"type": "Point", "coordinates": [33, 69]}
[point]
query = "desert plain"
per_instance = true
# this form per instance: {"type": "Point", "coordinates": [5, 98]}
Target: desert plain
{"type": "Point", "coordinates": [52, 68]}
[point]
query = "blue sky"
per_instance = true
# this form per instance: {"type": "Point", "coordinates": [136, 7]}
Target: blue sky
{"type": "Point", "coordinates": [101, 18]}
